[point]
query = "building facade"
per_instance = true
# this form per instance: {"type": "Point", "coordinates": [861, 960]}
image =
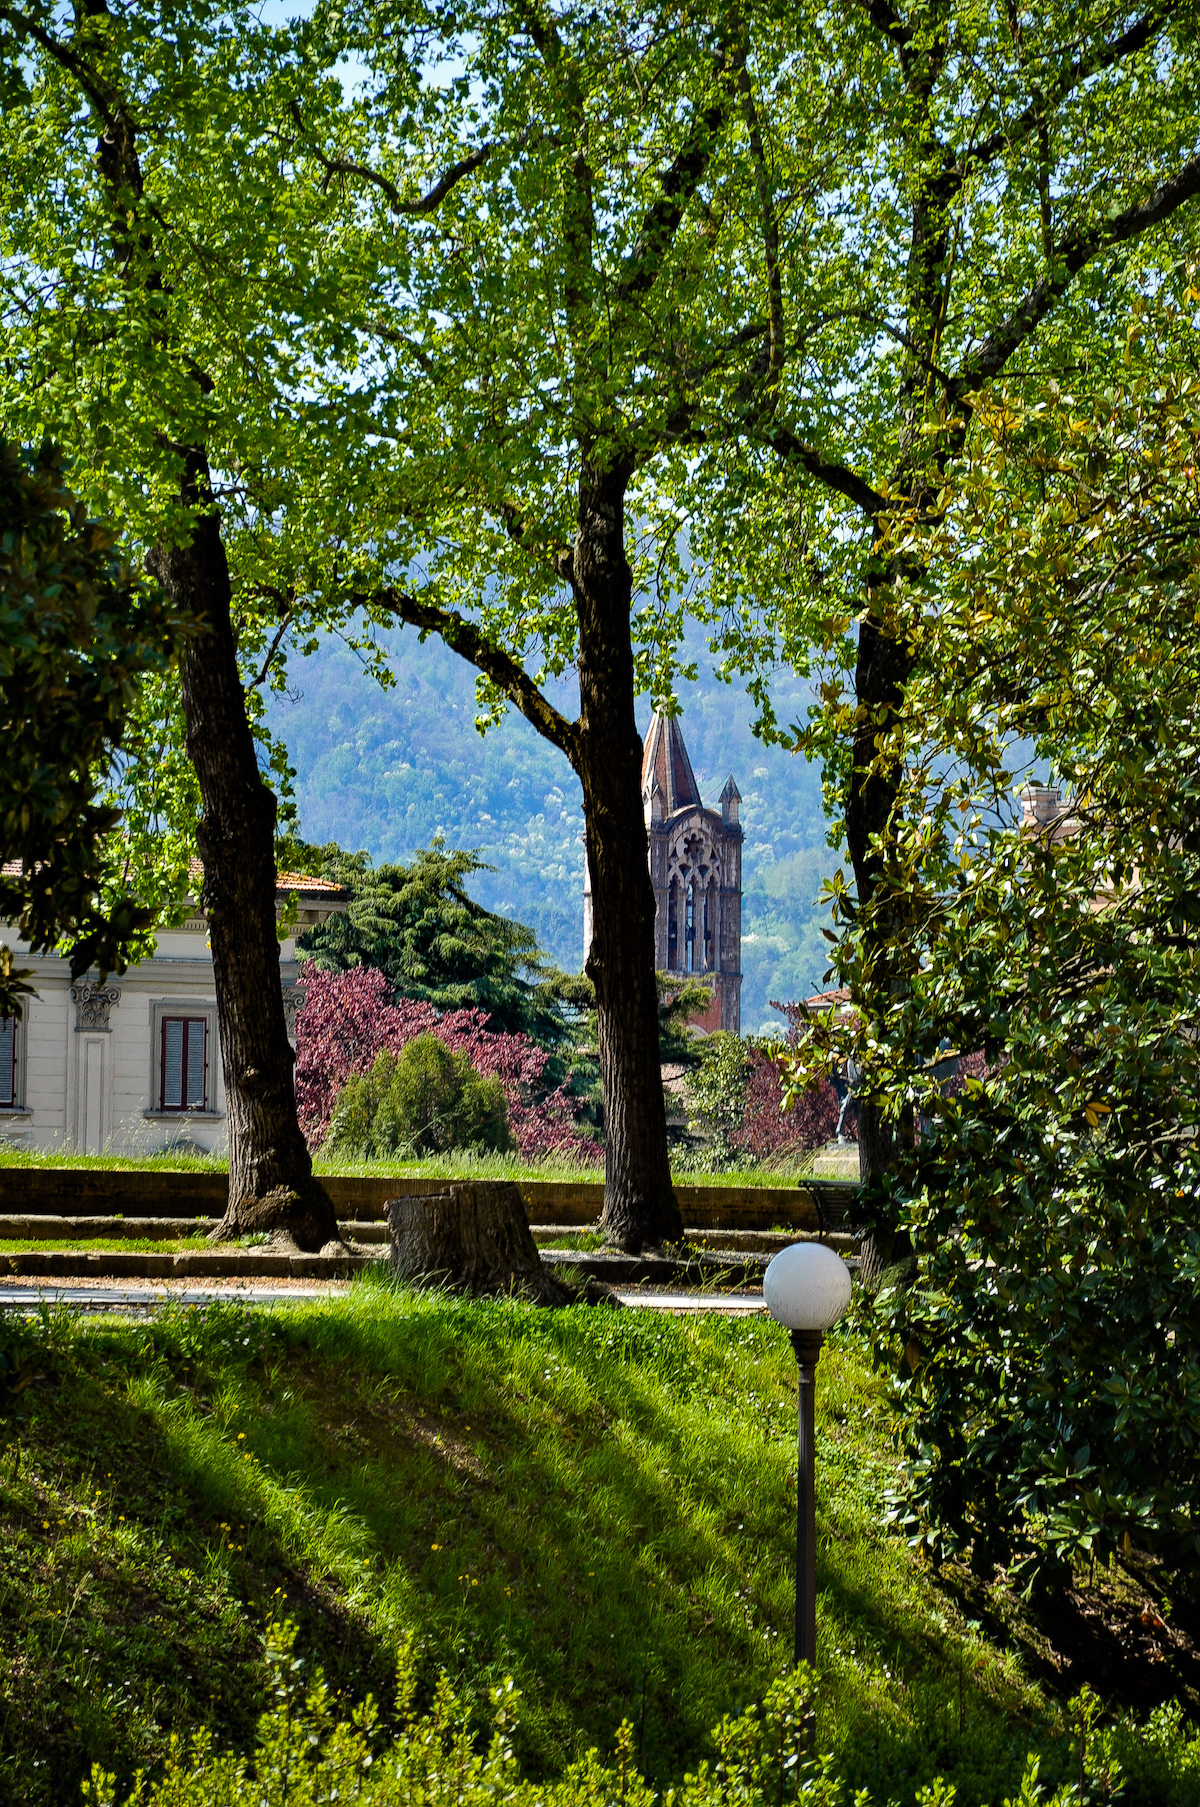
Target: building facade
{"type": "Point", "coordinates": [695, 857]}
{"type": "Point", "coordinates": [133, 1065]}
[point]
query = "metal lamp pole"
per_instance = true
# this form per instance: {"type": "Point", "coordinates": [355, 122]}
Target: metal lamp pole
{"type": "Point", "coordinates": [806, 1289]}
{"type": "Point", "coordinates": [807, 1344]}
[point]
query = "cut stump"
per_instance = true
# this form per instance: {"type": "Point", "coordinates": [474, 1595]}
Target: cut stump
{"type": "Point", "coordinates": [475, 1238]}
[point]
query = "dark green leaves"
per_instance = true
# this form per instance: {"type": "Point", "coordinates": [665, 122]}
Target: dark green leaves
{"type": "Point", "coordinates": [77, 634]}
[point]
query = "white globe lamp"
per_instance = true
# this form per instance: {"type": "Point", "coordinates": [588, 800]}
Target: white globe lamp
{"type": "Point", "coordinates": [806, 1288]}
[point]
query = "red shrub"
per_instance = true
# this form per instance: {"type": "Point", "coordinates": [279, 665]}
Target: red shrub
{"type": "Point", "coordinates": [349, 1017]}
{"type": "Point", "coordinates": [767, 1129]}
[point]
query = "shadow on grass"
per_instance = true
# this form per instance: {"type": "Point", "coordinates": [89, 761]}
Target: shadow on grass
{"type": "Point", "coordinates": [600, 1503]}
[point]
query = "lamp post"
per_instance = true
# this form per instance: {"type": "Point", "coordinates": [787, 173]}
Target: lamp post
{"type": "Point", "coordinates": [806, 1289]}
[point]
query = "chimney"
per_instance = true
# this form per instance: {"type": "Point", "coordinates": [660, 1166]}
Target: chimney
{"type": "Point", "coordinates": [1041, 804]}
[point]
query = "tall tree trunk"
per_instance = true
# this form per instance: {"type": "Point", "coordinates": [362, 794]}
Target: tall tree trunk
{"type": "Point", "coordinates": [271, 1184]}
{"type": "Point", "coordinates": [883, 669]}
{"type": "Point", "coordinates": [639, 1204]}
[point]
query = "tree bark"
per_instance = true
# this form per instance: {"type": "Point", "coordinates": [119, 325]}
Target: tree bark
{"type": "Point", "coordinates": [472, 1239]}
{"type": "Point", "coordinates": [640, 1206]}
{"type": "Point", "coordinates": [883, 669]}
{"type": "Point", "coordinates": [271, 1183]}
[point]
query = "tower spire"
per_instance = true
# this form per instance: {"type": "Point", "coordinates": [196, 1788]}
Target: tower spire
{"type": "Point", "coordinates": [665, 757]}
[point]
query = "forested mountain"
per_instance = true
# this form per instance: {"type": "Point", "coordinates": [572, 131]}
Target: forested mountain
{"type": "Point", "coordinates": [388, 770]}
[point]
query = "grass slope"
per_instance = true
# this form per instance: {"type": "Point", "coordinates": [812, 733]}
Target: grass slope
{"type": "Point", "coordinates": [599, 1503]}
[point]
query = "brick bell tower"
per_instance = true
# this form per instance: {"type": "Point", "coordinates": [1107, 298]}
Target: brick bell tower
{"type": "Point", "coordinates": [695, 857]}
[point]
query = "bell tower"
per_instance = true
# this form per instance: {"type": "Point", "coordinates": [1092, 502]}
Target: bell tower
{"type": "Point", "coordinates": [695, 857]}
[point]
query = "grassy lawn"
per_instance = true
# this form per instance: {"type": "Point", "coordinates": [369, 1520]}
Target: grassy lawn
{"type": "Point", "coordinates": [99, 1245]}
{"type": "Point", "coordinates": [453, 1166]}
{"type": "Point", "coordinates": [599, 1503]}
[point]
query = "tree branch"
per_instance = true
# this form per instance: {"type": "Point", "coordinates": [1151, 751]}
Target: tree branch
{"type": "Point", "coordinates": [1074, 253]}
{"type": "Point", "coordinates": [887, 21]}
{"type": "Point", "coordinates": [282, 629]}
{"type": "Point", "coordinates": [837, 477]}
{"type": "Point", "coordinates": [770, 233]}
{"type": "Point", "coordinates": [1128, 44]}
{"type": "Point", "coordinates": [428, 202]}
{"type": "Point", "coordinates": [464, 638]}
{"type": "Point", "coordinates": [679, 182]}
{"type": "Point", "coordinates": [67, 59]}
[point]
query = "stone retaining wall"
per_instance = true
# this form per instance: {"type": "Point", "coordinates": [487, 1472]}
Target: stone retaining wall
{"type": "Point", "coordinates": [105, 1192]}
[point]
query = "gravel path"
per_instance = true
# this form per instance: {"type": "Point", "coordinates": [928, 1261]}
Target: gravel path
{"type": "Point", "coordinates": [107, 1296]}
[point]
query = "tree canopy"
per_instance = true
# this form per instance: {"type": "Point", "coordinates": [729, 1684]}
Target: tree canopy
{"type": "Point", "coordinates": [1047, 1328]}
{"type": "Point", "coordinates": [77, 635]}
{"type": "Point", "coordinates": [950, 194]}
{"type": "Point", "coordinates": [419, 925]}
{"type": "Point", "coordinates": [180, 293]}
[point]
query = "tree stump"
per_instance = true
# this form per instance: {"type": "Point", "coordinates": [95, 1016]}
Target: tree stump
{"type": "Point", "coordinates": [475, 1238]}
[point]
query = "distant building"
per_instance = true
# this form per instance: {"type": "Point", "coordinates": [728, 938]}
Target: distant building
{"type": "Point", "coordinates": [132, 1066]}
{"type": "Point", "coordinates": [695, 857]}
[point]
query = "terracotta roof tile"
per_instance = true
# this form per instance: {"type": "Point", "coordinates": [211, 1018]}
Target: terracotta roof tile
{"type": "Point", "coordinates": [312, 887]}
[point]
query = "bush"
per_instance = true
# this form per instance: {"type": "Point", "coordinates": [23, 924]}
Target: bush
{"type": "Point", "coordinates": [764, 1758]}
{"type": "Point", "coordinates": [736, 1098]}
{"type": "Point", "coordinates": [425, 1100]}
{"type": "Point", "coordinates": [352, 1017]}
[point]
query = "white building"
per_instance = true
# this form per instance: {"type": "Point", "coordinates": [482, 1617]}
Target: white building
{"type": "Point", "coordinates": [132, 1066]}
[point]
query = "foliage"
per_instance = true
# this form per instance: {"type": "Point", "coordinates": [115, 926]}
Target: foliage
{"type": "Point", "coordinates": [929, 197]}
{"type": "Point", "coordinates": [420, 927]}
{"type": "Point", "coordinates": [424, 1100]}
{"type": "Point", "coordinates": [680, 1000]}
{"type": "Point", "coordinates": [715, 1093]}
{"type": "Point", "coordinates": [1048, 1353]}
{"type": "Point", "coordinates": [77, 634]}
{"type": "Point", "coordinates": [775, 1123]}
{"type": "Point", "coordinates": [349, 1018]}
{"type": "Point", "coordinates": [191, 293]}
{"type": "Point", "coordinates": [470, 1484]}
{"type": "Point", "coordinates": [559, 312]}
{"type": "Point", "coordinates": [738, 1099]}
{"type": "Point", "coordinates": [306, 1754]}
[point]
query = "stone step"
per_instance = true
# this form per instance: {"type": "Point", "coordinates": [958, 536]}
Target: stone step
{"type": "Point", "coordinates": [211, 1264]}
{"type": "Point", "coordinates": [370, 1231]}
{"type": "Point", "coordinates": [249, 1264]}
{"type": "Point", "coordinates": [661, 1270]}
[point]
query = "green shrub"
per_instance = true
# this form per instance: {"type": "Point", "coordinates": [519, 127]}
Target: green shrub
{"type": "Point", "coordinates": [307, 1755]}
{"type": "Point", "coordinates": [425, 1100]}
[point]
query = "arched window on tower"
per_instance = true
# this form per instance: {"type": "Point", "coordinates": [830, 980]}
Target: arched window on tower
{"type": "Point", "coordinates": [712, 927]}
{"type": "Point", "coordinates": [690, 930]}
{"type": "Point", "coordinates": [672, 926]}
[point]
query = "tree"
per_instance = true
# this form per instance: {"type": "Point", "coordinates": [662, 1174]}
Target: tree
{"type": "Point", "coordinates": [77, 634]}
{"type": "Point", "coordinates": [178, 301]}
{"type": "Point", "coordinates": [419, 925]}
{"type": "Point", "coordinates": [935, 195]}
{"type": "Point", "coordinates": [1048, 1342]}
{"type": "Point", "coordinates": [349, 1018]}
{"type": "Point", "coordinates": [739, 1098]}
{"type": "Point", "coordinates": [555, 344]}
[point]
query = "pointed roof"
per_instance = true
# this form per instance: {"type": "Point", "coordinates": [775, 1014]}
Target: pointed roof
{"type": "Point", "coordinates": [665, 758]}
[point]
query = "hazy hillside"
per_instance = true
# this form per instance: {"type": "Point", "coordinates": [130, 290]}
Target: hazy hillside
{"type": "Point", "coordinates": [387, 770]}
